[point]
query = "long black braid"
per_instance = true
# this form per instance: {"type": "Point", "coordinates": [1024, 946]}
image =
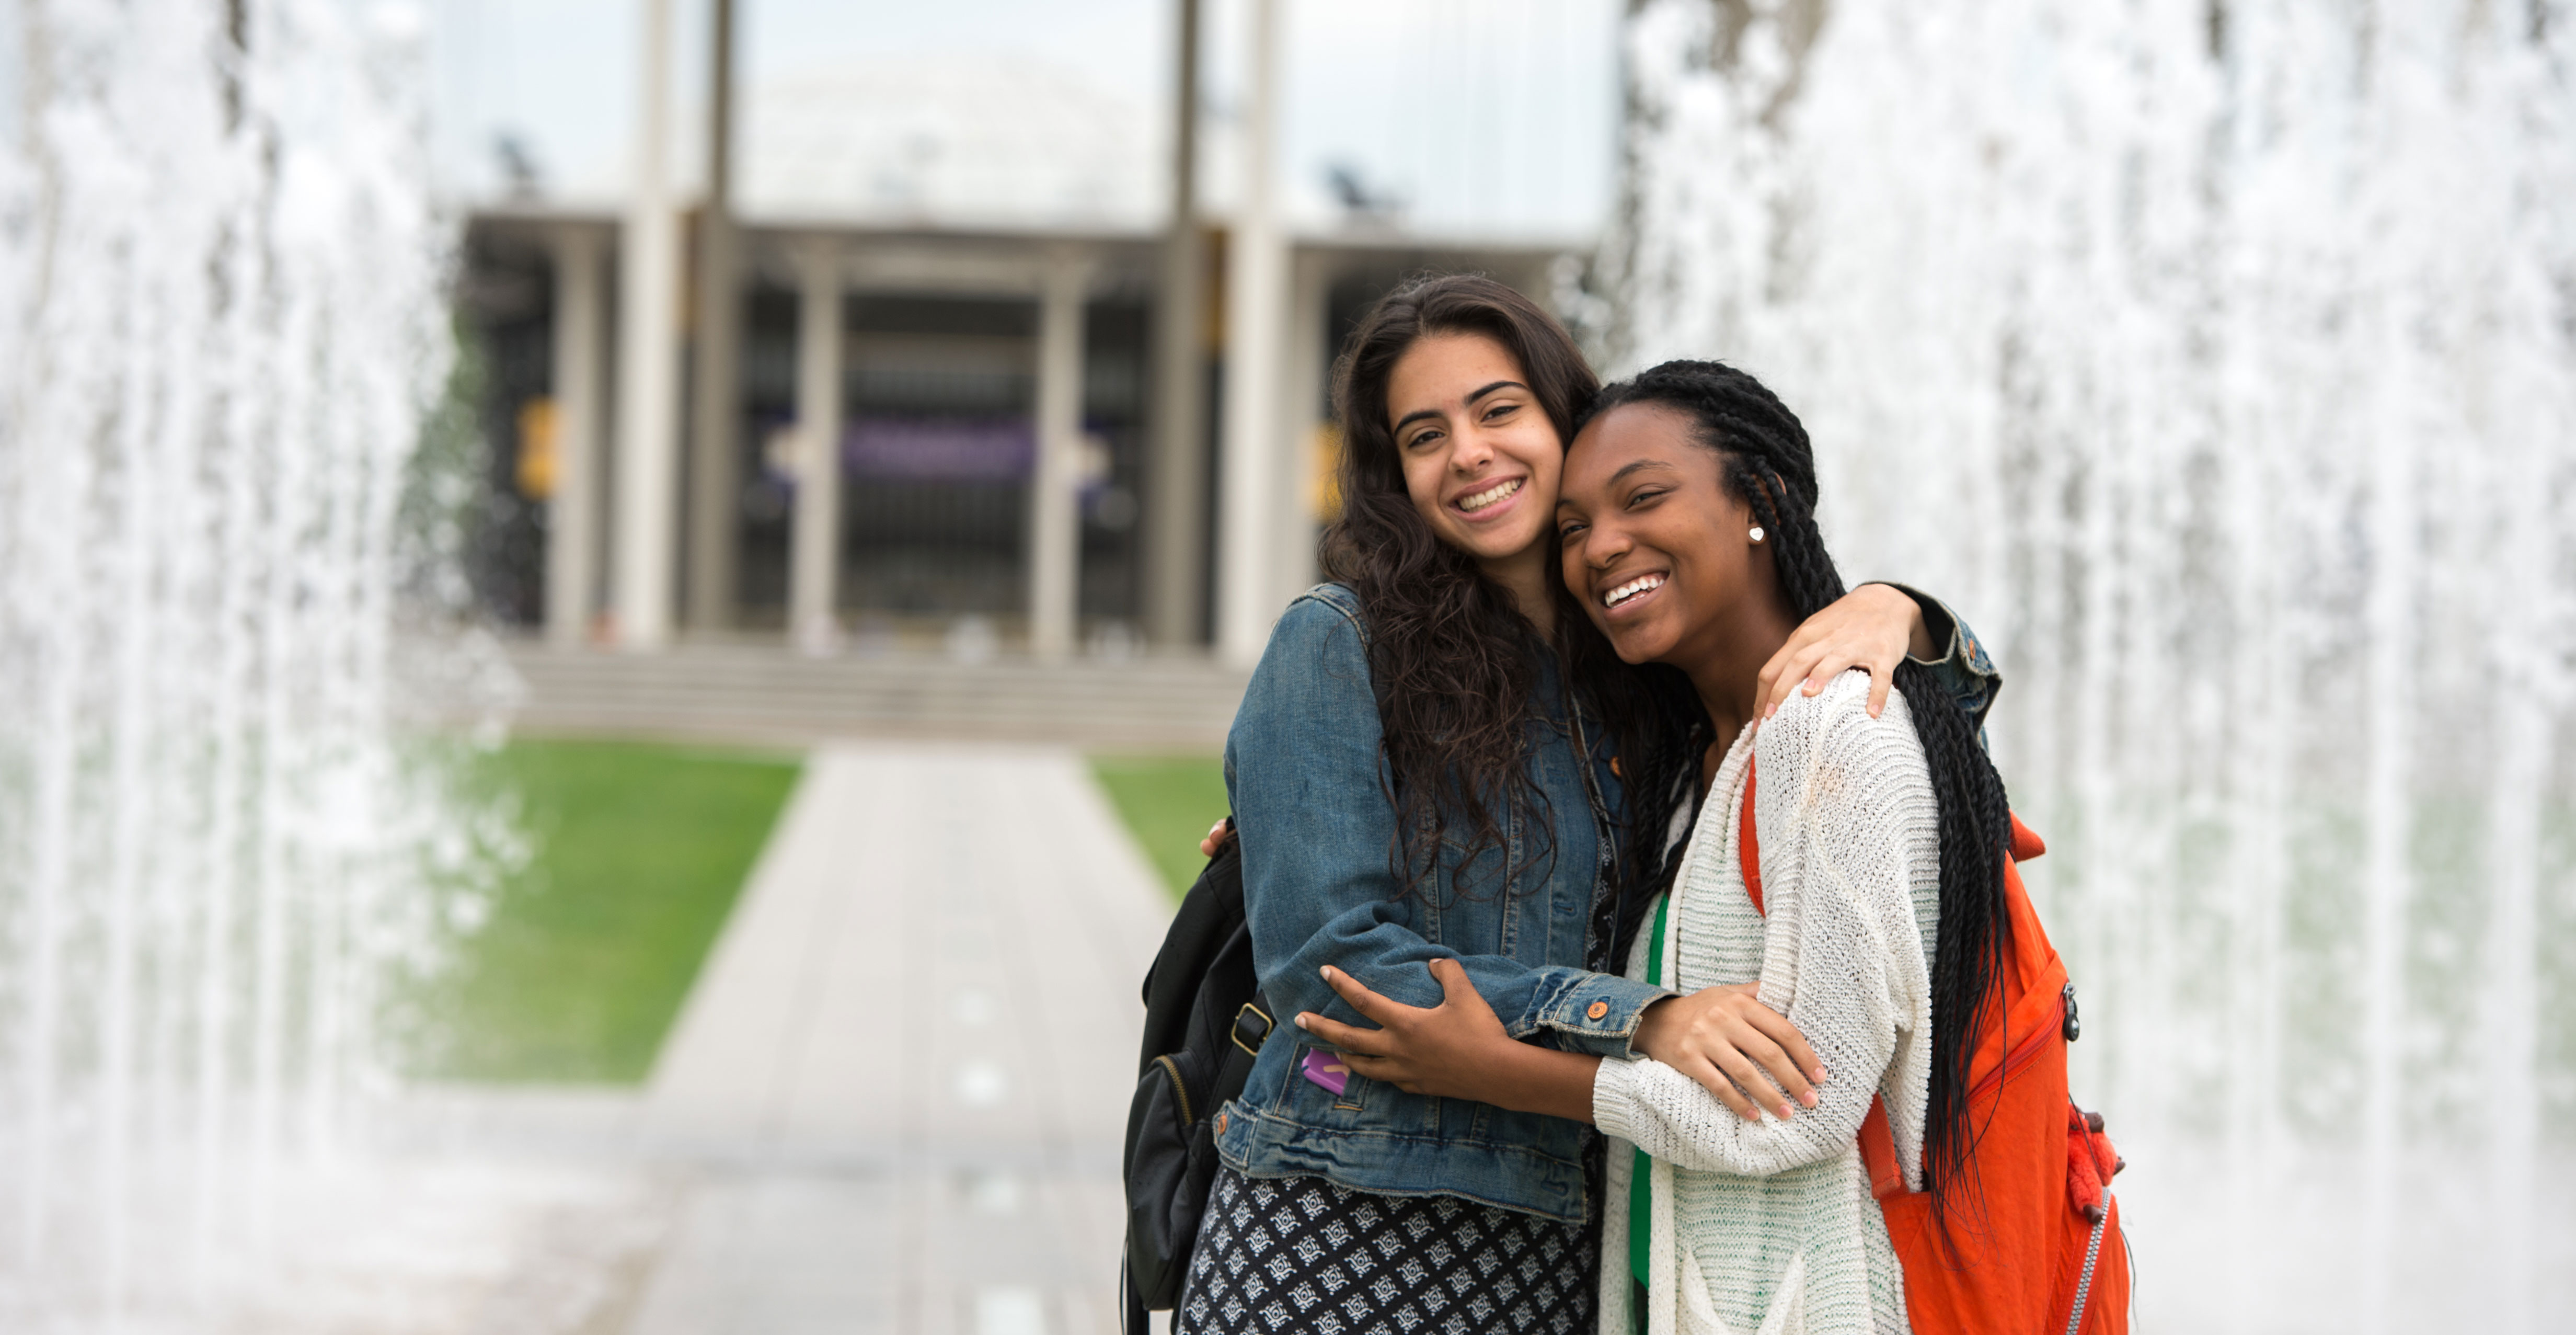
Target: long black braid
{"type": "Point", "coordinates": [1770, 466]}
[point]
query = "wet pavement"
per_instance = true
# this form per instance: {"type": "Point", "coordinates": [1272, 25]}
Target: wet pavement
{"type": "Point", "coordinates": [892, 1102]}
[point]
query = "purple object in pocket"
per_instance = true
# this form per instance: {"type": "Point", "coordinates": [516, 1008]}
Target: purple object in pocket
{"type": "Point", "coordinates": [1328, 1070]}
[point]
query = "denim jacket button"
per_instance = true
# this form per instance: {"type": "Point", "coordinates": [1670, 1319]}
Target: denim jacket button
{"type": "Point", "coordinates": [1597, 1010]}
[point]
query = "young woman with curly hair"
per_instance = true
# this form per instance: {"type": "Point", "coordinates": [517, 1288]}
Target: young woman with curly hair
{"type": "Point", "coordinates": [1413, 779]}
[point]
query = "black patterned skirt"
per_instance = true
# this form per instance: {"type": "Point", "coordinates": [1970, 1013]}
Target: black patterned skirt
{"type": "Point", "coordinates": [1301, 1254]}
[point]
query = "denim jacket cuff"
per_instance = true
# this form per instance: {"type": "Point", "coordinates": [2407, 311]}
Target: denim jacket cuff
{"type": "Point", "coordinates": [1962, 668]}
{"type": "Point", "coordinates": [1598, 1015]}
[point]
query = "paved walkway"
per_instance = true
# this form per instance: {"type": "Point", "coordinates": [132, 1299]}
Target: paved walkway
{"type": "Point", "coordinates": [900, 1081]}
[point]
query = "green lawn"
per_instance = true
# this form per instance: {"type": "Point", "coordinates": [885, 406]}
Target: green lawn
{"type": "Point", "coordinates": [1168, 803]}
{"type": "Point", "coordinates": [637, 853]}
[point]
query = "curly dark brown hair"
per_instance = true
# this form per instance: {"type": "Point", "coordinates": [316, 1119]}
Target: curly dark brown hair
{"type": "Point", "coordinates": [1453, 661]}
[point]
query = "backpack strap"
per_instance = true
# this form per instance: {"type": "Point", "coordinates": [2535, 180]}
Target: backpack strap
{"type": "Point", "coordinates": [1877, 1142]}
{"type": "Point", "coordinates": [1251, 1026]}
{"type": "Point", "coordinates": [1878, 1153]}
{"type": "Point", "coordinates": [1748, 846]}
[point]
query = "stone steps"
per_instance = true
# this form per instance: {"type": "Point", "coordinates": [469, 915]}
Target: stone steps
{"type": "Point", "coordinates": [770, 695]}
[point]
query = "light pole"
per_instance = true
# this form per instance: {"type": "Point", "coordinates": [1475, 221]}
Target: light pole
{"type": "Point", "coordinates": [1176, 551]}
{"type": "Point", "coordinates": [715, 409]}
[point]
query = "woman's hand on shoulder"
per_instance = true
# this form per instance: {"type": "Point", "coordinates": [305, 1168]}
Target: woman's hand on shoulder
{"type": "Point", "coordinates": [1872, 628]}
{"type": "Point", "coordinates": [1734, 1045]}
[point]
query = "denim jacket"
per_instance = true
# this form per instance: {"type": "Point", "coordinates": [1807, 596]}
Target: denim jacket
{"type": "Point", "coordinates": [1308, 785]}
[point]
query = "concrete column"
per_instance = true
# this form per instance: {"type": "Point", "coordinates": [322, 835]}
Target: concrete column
{"type": "Point", "coordinates": [814, 556]}
{"type": "Point", "coordinates": [572, 509]}
{"type": "Point", "coordinates": [1055, 518]}
{"type": "Point", "coordinates": [715, 408]}
{"type": "Point", "coordinates": [1176, 556]}
{"type": "Point", "coordinates": [1304, 368]}
{"type": "Point", "coordinates": [1255, 280]}
{"type": "Point", "coordinates": [648, 375]}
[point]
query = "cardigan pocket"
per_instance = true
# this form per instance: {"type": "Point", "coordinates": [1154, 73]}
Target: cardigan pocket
{"type": "Point", "coordinates": [1698, 1314]}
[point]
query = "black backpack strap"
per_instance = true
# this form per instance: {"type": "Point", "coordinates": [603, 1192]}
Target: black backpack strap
{"type": "Point", "coordinates": [1253, 1024]}
{"type": "Point", "coordinates": [1132, 1319]}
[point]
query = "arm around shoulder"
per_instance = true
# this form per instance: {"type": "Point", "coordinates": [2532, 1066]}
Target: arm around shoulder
{"type": "Point", "coordinates": [1958, 660]}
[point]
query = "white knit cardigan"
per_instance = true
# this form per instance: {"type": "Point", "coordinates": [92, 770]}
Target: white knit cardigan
{"type": "Point", "coordinates": [1770, 1227]}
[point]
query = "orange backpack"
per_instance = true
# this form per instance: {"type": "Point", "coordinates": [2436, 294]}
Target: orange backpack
{"type": "Point", "coordinates": [2041, 1249]}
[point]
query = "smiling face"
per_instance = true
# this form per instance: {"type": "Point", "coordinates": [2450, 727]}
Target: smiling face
{"type": "Point", "coordinates": [1481, 459]}
{"type": "Point", "coordinates": [1658, 553]}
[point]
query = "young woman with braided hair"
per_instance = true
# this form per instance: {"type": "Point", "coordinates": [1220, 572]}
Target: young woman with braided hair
{"type": "Point", "coordinates": [1688, 539]}
{"type": "Point", "coordinates": [1413, 779]}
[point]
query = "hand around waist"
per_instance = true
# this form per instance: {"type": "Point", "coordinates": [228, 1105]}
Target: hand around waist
{"type": "Point", "coordinates": [1457, 1049]}
{"type": "Point", "coordinates": [1739, 1049]}
{"type": "Point", "coordinates": [1721, 1037]}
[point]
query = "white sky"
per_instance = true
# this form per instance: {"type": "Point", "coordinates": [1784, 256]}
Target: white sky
{"type": "Point", "coordinates": [1485, 117]}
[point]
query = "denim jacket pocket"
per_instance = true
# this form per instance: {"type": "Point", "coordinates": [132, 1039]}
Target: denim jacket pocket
{"type": "Point", "coordinates": [1312, 1105]}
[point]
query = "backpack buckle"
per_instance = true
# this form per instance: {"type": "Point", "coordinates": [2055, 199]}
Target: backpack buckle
{"type": "Point", "coordinates": [1254, 1022]}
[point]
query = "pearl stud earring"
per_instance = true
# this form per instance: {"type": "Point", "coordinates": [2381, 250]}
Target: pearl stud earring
{"type": "Point", "coordinates": [1757, 533]}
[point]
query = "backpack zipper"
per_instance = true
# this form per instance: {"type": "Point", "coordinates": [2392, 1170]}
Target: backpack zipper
{"type": "Point", "coordinates": [1179, 1090]}
{"type": "Point", "coordinates": [2021, 1056]}
{"type": "Point", "coordinates": [2084, 1286]}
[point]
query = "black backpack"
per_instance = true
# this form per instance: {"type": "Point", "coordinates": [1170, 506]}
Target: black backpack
{"type": "Point", "coordinates": [1205, 1020]}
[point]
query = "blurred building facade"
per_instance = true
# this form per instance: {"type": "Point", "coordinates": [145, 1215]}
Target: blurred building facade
{"type": "Point", "coordinates": [940, 370]}
{"type": "Point", "coordinates": [944, 399]}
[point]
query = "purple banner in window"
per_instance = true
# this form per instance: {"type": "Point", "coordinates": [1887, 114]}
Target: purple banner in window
{"type": "Point", "coordinates": [940, 449]}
